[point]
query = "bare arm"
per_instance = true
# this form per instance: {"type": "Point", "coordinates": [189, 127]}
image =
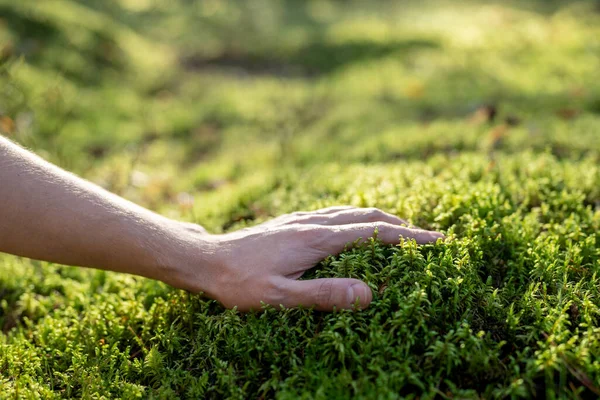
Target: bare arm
{"type": "Point", "coordinates": [49, 214]}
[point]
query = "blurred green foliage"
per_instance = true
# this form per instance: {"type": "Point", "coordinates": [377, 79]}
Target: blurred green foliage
{"type": "Point", "coordinates": [480, 119]}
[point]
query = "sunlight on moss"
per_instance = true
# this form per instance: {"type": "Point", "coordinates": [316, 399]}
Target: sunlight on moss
{"type": "Point", "coordinates": [479, 119]}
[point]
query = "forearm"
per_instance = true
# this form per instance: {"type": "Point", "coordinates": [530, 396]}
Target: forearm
{"type": "Point", "coordinates": [49, 214]}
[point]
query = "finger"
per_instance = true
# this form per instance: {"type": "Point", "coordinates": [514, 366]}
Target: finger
{"type": "Point", "coordinates": [327, 294]}
{"type": "Point", "coordinates": [299, 216]}
{"type": "Point", "coordinates": [333, 239]}
{"type": "Point", "coordinates": [350, 216]}
{"type": "Point", "coordinates": [322, 211]}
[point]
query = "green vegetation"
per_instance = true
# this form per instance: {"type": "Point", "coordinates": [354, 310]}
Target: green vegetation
{"type": "Point", "coordinates": [478, 119]}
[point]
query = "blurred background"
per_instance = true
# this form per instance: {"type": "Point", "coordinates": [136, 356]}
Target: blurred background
{"type": "Point", "coordinates": [193, 107]}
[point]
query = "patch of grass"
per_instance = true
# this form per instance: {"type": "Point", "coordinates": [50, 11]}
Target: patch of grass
{"type": "Point", "coordinates": [480, 120]}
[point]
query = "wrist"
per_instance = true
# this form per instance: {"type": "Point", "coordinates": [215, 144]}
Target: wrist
{"type": "Point", "coordinates": [188, 259]}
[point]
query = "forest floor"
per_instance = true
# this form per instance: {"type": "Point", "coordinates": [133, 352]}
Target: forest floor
{"type": "Point", "coordinates": [479, 119]}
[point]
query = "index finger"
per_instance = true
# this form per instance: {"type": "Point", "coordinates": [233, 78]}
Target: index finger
{"type": "Point", "coordinates": [335, 238]}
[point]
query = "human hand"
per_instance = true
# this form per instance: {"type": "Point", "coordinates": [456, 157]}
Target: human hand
{"type": "Point", "coordinates": [263, 263]}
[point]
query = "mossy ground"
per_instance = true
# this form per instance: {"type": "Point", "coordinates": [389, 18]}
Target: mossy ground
{"type": "Point", "coordinates": [479, 119]}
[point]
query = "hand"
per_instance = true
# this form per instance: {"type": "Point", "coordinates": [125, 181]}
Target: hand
{"type": "Point", "coordinates": [263, 263]}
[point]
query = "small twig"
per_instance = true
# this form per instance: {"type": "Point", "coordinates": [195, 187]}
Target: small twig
{"type": "Point", "coordinates": [140, 342]}
{"type": "Point", "coordinates": [581, 377]}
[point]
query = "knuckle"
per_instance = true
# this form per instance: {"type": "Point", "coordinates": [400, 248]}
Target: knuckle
{"type": "Point", "coordinates": [386, 226]}
{"type": "Point", "coordinates": [378, 226]}
{"type": "Point", "coordinates": [374, 214]}
{"type": "Point", "coordinates": [374, 225]}
{"type": "Point", "coordinates": [325, 293]}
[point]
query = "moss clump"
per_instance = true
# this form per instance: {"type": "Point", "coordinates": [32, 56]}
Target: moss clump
{"type": "Point", "coordinates": [400, 119]}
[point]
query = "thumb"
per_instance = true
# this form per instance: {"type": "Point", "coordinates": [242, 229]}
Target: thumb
{"type": "Point", "coordinates": [325, 294]}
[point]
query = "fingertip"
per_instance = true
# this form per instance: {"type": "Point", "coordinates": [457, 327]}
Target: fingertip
{"type": "Point", "coordinates": [432, 236]}
{"type": "Point", "coordinates": [439, 235]}
{"type": "Point", "coordinates": [359, 295]}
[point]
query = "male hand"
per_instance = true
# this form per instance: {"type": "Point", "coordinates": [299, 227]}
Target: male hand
{"type": "Point", "coordinates": [263, 263]}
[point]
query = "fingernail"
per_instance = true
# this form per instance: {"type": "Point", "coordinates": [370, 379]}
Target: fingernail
{"type": "Point", "coordinates": [357, 291]}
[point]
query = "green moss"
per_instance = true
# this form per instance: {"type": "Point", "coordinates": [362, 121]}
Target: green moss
{"type": "Point", "coordinates": [283, 106]}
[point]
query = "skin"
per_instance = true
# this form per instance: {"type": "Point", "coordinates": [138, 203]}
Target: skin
{"type": "Point", "coordinates": [49, 214]}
